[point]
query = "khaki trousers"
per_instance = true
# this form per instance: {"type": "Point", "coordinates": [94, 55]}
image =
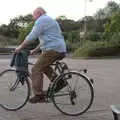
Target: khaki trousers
{"type": "Point", "coordinates": [43, 66]}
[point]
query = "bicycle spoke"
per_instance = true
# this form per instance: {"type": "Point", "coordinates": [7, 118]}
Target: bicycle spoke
{"type": "Point", "coordinates": [79, 98]}
{"type": "Point", "coordinates": [15, 94]}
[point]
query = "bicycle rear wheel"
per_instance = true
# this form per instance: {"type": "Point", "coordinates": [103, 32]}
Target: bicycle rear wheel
{"type": "Point", "coordinates": [76, 97]}
{"type": "Point", "coordinates": [13, 94]}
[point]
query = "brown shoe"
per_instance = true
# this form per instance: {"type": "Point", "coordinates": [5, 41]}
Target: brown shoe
{"type": "Point", "coordinates": [37, 99]}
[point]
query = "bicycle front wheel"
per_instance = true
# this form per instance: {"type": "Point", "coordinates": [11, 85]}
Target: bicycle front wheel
{"type": "Point", "coordinates": [13, 94]}
{"type": "Point", "coordinates": [76, 97]}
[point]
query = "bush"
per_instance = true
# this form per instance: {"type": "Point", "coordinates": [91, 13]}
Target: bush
{"type": "Point", "coordinates": [24, 32]}
{"type": "Point", "coordinates": [72, 40]}
{"type": "Point", "coordinates": [5, 41]}
{"type": "Point", "coordinates": [98, 49]}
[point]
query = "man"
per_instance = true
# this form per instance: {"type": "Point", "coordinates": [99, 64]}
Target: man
{"type": "Point", "coordinates": [52, 45]}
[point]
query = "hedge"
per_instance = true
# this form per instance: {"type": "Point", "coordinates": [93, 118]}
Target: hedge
{"type": "Point", "coordinates": [98, 49]}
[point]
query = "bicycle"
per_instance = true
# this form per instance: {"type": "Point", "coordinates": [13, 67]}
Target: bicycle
{"type": "Point", "coordinates": [74, 99]}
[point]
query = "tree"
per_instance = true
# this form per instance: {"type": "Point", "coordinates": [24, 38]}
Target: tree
{"type": "Point", "coordinates": [62, 17]}
{"type": "Point", "coordinates": [103, 17]}
{"type": "Point", "coordinates": [112, 28]}
{"type": "Point", "coordinates": [107, 12]}
{"type": "Point", "coordinates": [23, 33]}
{"type": "Point", "coordinates": [111, 8]}
{"type": "Point", "coordinates": [12, 29]}
{"type": "Point", "coordinates": [21, 21]}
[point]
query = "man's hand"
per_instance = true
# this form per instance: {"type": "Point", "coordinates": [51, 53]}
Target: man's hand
{"type": "Point", "coordinates": [21, 46]}
{"type": "Point", "coordinates": [32, 51]}
{"type": "Point", "coordinates": [18, 49]}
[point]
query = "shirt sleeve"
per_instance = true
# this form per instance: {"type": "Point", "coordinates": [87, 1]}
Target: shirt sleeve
{"type": "Point", "coordinates": [36, 31]}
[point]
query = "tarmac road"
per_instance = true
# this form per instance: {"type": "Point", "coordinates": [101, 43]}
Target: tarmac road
{"type": "Point", "coordinates": [106, 75]}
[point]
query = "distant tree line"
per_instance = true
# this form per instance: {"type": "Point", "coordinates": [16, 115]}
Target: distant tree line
{"type": "Point", "coordinates": [102, 29]}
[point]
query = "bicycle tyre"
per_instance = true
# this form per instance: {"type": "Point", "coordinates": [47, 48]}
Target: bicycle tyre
{"type": "Point", "coordinates": [84, 80]}
{"type": "Point", "coordinates": [15, 102]}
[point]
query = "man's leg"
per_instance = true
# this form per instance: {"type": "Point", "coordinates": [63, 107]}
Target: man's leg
{"type": "Point", "coordinates": [44, 61]}
{"type": "Point", "coordinates": [37, 80]}
{"type": "Point", "coordinates": [48, 71]}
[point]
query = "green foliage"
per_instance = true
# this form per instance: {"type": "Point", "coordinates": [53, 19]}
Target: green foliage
{"type": "Point", "coordinates": [24, 32]}
{"type": "Point", "coordinates": [72, 40]}
{"type": "Point", "coordinates": [112, 28]}
{"type": "Point", "coordinates": [68, 25]}
{"type": "Point", "coordinates": [98, 49]}
{"type": "Point", "coordinates": [5, 41]}
{"type": "Point", "coordinates": [12, 29]}
{"type": "Point", "coordinates": [102, 31]}
{"type": "Point", "coordinates": [21, 21]}
{"type": "Point", "coordinates": [9, 31]}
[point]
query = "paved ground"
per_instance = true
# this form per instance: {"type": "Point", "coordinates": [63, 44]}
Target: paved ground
{"type": "Point", "coordinates": [105, 72]}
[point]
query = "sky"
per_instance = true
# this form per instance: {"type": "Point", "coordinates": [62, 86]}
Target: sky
{"type": "Point", "coordinates": [73, 9]}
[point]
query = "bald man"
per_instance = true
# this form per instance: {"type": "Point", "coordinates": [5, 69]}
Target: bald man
{"type": "Point", "coordinates": [53, 47]}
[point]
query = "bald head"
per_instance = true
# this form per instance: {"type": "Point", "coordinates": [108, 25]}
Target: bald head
{"type": "Point", "coordinates": [38, 12]}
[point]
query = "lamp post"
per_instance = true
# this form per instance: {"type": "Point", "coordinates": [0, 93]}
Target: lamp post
{"type": "Point", "coordinates": [85, 24]}
{"type": "Point", "coordinates": [85, 21]}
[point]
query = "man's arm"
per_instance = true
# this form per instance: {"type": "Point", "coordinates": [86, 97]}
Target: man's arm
{"type": "Point", "coordinates": [35, 49]}
{"type": "Point", "coordinates": [22, 45]}
{"type": "Point", "coordinates": [33, 35]}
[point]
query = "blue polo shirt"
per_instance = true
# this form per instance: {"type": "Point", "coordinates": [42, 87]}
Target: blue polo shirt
{"type": "Point", "coordinates": [49, 33]}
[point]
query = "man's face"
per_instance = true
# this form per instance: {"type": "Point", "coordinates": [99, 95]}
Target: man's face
{"type": "Point", "coordinates": [36, 14]}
